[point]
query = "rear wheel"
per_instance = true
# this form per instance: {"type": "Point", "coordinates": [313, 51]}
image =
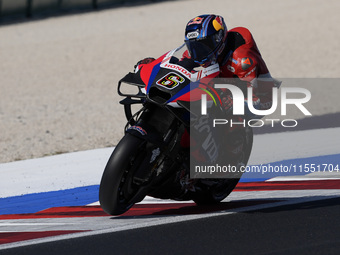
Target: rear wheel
{"type": "Point", "coordinates": [223, 187]}
{"type": "Point", "coordinates": [117, 192]}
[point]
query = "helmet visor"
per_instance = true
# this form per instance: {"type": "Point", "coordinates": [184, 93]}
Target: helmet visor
{"type": "Point", "coordinates": [200, 49]}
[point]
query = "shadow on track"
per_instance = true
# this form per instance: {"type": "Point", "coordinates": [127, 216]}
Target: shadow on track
{"type": "Point", "coordinates": [305, 228]}
{"type": "Point", "coordinates": [175, 209]}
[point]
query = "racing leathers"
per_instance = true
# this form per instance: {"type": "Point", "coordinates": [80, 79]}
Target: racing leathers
{"type": "Point", "coordinates": [242, 60]}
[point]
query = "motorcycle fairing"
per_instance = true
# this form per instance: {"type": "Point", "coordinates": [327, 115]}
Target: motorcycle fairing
{"type": "Point", "coordinates": [179, 84]}
{"type": "Point", "coordinates": [163, 87]}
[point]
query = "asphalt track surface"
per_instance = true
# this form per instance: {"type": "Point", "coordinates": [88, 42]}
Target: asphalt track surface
{"type": "Point", "coordinates": [303, 228]}
{"type": "Point", "coordinates": [276, 216]}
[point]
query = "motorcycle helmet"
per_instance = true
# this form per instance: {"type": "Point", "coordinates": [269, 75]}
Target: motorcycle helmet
{"type": "Point", "coordinates": [205, 38]}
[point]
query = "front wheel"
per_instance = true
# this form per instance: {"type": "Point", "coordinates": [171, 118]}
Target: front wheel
{"type": "Point", "coordinates": [117, 192]}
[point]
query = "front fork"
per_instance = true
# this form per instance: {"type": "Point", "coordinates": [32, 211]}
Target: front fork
{"type": "Point", "coordinates": [161, 133]}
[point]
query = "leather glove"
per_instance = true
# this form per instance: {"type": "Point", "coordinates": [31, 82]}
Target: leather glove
{"type": "Point", "coordinates": [143, 61]}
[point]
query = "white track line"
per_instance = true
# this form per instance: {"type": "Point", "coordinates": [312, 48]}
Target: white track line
{"type": "Point", "coordinates": [159, 221]}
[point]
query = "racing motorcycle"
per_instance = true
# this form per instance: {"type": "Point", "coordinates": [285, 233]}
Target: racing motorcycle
{"type": "Point", "coordinates": [152, 158]}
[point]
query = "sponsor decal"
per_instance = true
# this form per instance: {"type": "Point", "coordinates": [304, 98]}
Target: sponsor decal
{"type": "Point", "coordinates": [234, 61]}
{"type": "Point", "coordinates": [192, 35]}
{"type": "Point", "coordinates": [139, 129]}
{"type": "Point", "coordinates": [219, 20]}
{"type": "Point", "coordinates": [155, 154]}
{"type": "Point", "coordinates": [252, 70]}
{"type": "Point", "coordinates": [246, 63]}
{"type": "Point", "coordinates": [231, 69]}
{"type": "Point", "coordinates": [178, 68]}
{"type": "Point", "coordinates": [218, 24]}
{"type": "Point", "coordinates": [170, 81]}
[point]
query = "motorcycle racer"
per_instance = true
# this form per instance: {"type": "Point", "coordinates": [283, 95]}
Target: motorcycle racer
{"type": "Point", "coordinates": [169, 149]}
{"type": "Point", "coordinates": [208, 42]}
